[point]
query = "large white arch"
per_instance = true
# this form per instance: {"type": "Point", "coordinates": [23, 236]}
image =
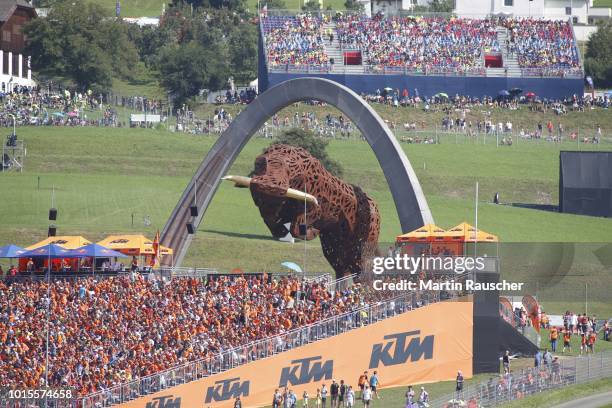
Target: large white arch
{"type": "Point", "coordinates": [410, 201]}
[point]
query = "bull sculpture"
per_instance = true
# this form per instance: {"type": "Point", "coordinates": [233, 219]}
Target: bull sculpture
{"type": "Point", "coordinates": [296, 195]}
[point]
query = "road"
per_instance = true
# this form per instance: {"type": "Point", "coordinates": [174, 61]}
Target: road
{"type": "Point", "coordinates": [592, 401]}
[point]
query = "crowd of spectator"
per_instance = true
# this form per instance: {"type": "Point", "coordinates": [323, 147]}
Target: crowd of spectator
{"type": "Point", "coordinates": [424, 45]}
{"type": "Point", "coordinates": [108, 331]}
{"type": "Point", "coordinates": [295, 40]}
{"type": "Point", "coordinates": [37, 107]}
{"type": "Point", "coordinates": [542, 43]}
{"type": "Point", "coordinates": [418, 43]}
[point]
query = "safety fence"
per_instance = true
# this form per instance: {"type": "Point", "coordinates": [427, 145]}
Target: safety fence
{"type": "Point", "coordinates": [476, 71]}
{"type": "Point", "coordinates": [529, 381]}
{"type": "Point", "coordinates": [257, 350]}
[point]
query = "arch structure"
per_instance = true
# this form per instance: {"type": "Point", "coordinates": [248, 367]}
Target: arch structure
{"type": "Point", "coordinates": [408, 196]}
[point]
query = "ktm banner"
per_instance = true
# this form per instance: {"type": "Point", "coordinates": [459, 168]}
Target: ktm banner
{"type": "Point", "coordinates": [425, 345]}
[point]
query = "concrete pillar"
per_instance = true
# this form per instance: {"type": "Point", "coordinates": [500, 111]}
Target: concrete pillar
{"type": "Point", "coordinates": [1, 62]}
{"type": "Point", "coordinates": [10, 64]}
{"type": "Point", "coordinates": [29, 69]}
{"type": "Point", "coordinates": [20, 65]}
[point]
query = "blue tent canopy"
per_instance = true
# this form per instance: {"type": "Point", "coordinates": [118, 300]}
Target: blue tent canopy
{"type": "Point", "coordinates": [11, 251]}
{"type": "Point", "coordinates": [94, 250]}
{"type": "Point", "coordinates": [46, 251]}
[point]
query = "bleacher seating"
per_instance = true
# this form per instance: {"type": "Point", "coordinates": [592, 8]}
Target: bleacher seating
{"type": "Point", "coordinates": [294, 40]}
{"type": "Point", "coordinates": [419, 43]}
{"type": "Point", "coordinates": [423, 45]}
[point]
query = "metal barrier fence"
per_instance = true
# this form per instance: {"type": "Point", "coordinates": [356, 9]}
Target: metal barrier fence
{"type": "Point", "coordinates": [256, 350]}
{"type": "Point", "coordinates": [529, 381]}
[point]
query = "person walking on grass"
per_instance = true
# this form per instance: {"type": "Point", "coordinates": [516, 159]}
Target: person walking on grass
{"type": "Point", "coordinates": [374, 384]}
{"type": "Point", "coordinates": [366, 396]}
{"type": "Point", "coordinates": [350, 397]}
{"type": "Point", "coordinates": [554, 335]}
{"type": "Point", "coordinates": [567, 343]}
{"type": "Point", "coordinates": [506, 362]}
{"type": "Point", "coordinates": [459, 384]}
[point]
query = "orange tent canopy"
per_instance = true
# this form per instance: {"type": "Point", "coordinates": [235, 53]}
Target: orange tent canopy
{"type": "Point", "coordinates": [133, 245]}
{"type": "Point", "coordinates": [426, 233]}
{"type": "Point", "coordinates": [465, 232]}
{"type": "Point", "coordinates": [65, 241]}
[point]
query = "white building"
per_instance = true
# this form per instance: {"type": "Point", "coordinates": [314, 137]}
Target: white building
{"type": "Point", "coordinates": [581, 11]}
{"type": "Point", "coordinates": [14, 66]}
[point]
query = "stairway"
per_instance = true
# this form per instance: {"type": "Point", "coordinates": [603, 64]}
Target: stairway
{"type": "Point", "coordinates": [511, 67]}
{"type": "Point", "coordinates": [334, 52]}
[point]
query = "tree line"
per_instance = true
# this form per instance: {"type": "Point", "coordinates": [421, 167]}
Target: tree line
{"type": "Point", "coordinates": [198, 45]}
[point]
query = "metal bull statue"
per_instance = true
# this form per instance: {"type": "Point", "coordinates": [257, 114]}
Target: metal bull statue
{"type": "Point", "coordinates": [292, 188]}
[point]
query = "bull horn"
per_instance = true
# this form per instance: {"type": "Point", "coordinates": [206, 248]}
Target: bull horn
{"type": "Point", "coordinates": [302, 196]}
{"type": "Point", "coordinates": [239, 181]}
{"type": "Point", "coordinates": [242, 181]}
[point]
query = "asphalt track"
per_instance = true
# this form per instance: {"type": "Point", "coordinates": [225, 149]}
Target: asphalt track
{"type": "Point", "coordinates": [592, 401]}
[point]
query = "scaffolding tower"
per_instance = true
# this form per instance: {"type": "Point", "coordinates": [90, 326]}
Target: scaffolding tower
{"type": "Point", "coordinates": [13, 154]}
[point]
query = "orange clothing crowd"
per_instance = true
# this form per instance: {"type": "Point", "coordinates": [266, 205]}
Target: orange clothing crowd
{"type": "Point", "coordinates": [109, 331]}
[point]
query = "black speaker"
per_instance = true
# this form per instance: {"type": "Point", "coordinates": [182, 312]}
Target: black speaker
{"type": "Point", "coordinates": [190, 228]}
{"type": "Point", "coordinates": [194, 210]}
{"type": "Point", "coordinates": [52, 231]}
{"type": "Point", "coordinates": [52, 214]}
{"type": "Point", "coordinates": [303, 229]}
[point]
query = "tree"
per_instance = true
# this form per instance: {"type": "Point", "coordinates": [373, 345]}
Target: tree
{"type": "Point", "coordinates": [187, 69]}
{"type": "Point", "coordinates": [81, 43]}
{"type": "Point", "coordinates": [353, 5]}
{"type": "Point", "coordinates": [217, 4]}
{"type": "Point", "coordinates": [442, 6]}
{"type": "Point", "coordinates": [311, 5]}
{"type": "Point", "coordinates": [275, 4]}
{"type": "Point", "coordinates": [243, 53]}
{"type": "Point", "coordinates": [598, 58]}
{"type": "Point", "coordinates": [314, 145]}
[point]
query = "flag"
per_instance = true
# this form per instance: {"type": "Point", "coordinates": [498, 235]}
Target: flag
{"type": "Point", "coordinates": [118, 8]}
{"type": "Point", "coordinates": [155, 258]}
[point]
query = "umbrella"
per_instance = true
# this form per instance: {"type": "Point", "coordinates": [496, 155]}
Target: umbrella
{"type": "Point", "coordinates": [530, 94]}
{"type": "Point", "coordinates": [441, 95]}
{"type": "Point", "coordinates": [516, 91]}
{"type": "Point", "coordinates": [94, 250]}
{"type": "Point", "coordinates": [504, 92]}
{"type": "Point", "coordinates": [388, 89]}
{"type": "Point", "coordinates": [46, 251]}
{"type": "Point", "coordinates": [58, 114]}
{"type": "Point", "coordinates": [292, 265]}
{"type": "Point", "coordinates": [11, 251]}
{"type": "Point", "coordinates": [72, 114]}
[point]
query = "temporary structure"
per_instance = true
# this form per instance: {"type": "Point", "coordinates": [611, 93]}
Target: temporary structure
{"type": "Point", "coordinates": [65, 241]}
{"type": "Point", "coordinates": [135, 245]}
{"type": "Point", "coordinates": [426, 233]}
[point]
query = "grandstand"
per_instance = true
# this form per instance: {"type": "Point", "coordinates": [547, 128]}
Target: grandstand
{"type": "Point", "coordinates": [424, 55]}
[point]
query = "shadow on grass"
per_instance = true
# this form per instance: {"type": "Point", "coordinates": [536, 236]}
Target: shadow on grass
{"type": "Point", "coordinates": [530, 206]}
{"type": "Point", "coordinates": [240, 235]}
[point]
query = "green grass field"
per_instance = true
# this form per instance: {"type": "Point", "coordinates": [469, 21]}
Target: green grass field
{"type": "Point", "coordinates": [550, 399]}
{"type": "Point", "coordinates": [602, 3]}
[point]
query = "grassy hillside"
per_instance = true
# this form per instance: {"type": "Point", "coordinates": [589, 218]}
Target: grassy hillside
{"type": "Point", "coordinates": [103, 177]}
